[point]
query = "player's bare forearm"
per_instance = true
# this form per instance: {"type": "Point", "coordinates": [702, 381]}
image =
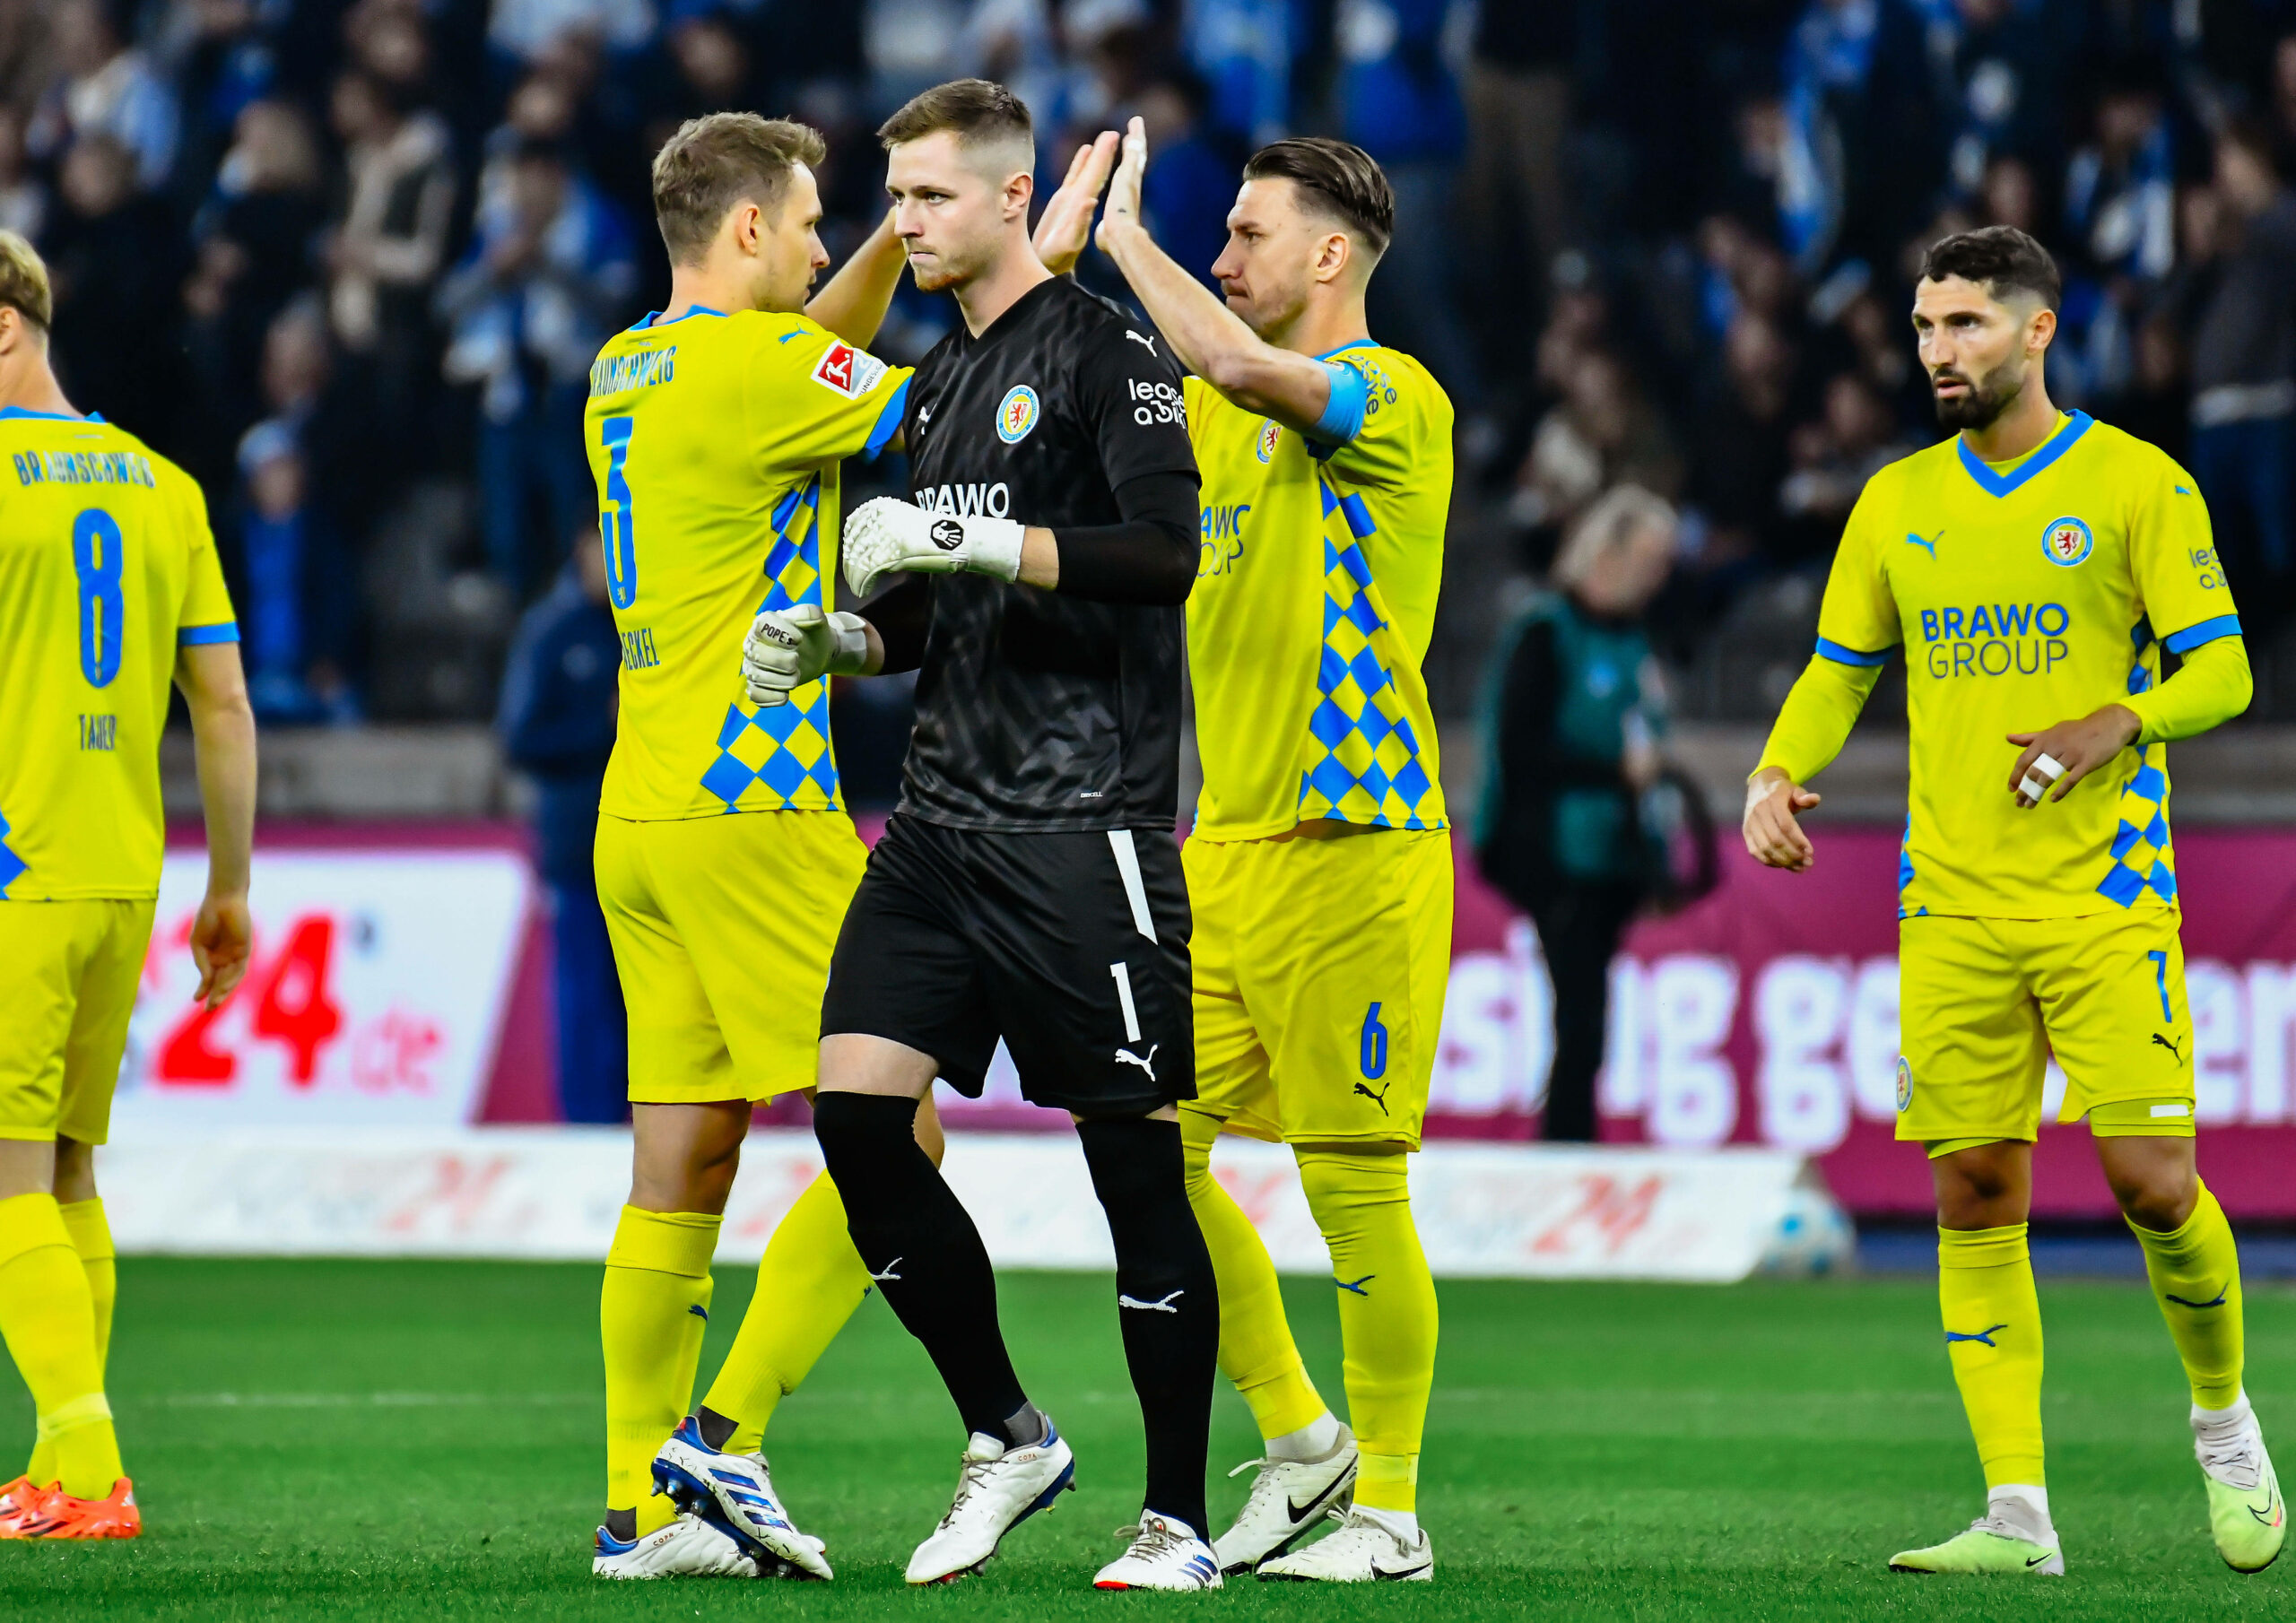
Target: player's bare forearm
{"type": "Point", "coordinates": [222, 726]}
{"type": "Point", "coordinates": [2075, 748]}
{"type": "Point", "coordinates": [1772, 825]}
{"type": "Point", "coordinates": [1210, 339]}
{"type": "Point", "coordinates": [1040, 559]}
{"type": "Point", "coordinates": [853, 305]}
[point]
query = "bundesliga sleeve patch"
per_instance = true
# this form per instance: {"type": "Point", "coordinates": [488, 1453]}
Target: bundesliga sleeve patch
{"type": "Point", "coordinates": [851, 372]}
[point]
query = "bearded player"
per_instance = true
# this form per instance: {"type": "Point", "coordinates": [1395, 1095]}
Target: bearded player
{"type": "Point", "coordinates": [1319, 864]}
{"type": "Point", "coordinates": [2035, 567]}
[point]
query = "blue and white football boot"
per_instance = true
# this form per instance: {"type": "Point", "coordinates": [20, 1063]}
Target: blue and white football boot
{"type": "Point", "coordinates": [733, 1493]}
{"type": "Point", "coordinates": [1000, 1487]}
{"type": "Point", "coordinates": [687, 1548]}
{"type": "Point", "coordinates": [1165, 1554]}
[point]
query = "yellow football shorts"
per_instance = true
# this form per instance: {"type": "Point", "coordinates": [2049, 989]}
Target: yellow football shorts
{"type": "Point", "coordinates": [722, 928]}
{"type": "Point", "coordinates": [71, 970]}
{"type": "Point", "coordinates": [1983, 1003]}
{"type": "Point", "coordinates": [1320, 965]}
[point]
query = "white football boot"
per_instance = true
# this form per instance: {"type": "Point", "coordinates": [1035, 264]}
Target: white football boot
{"type": "Point", "coordinates": [733, 1493]}
{"type": "Point", "coordinates": [1000, 1488]}
{"type": "Point", "coordinates": [2245, 1512]}
{"type": "Point", "coordinates": [1165, 1554]}
{"type": "Point", "coordinates": [1359, 1553]}
{"type": "Point", "coordinates": [1287, 1502]}
{"type": "Point", "coordinates": [688, 1547]}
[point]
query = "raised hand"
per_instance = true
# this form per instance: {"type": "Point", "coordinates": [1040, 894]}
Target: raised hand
{"type": "Point", "coordinates": [1067, 224]}
{"type": "Point", "coordinates": [1124, 187]}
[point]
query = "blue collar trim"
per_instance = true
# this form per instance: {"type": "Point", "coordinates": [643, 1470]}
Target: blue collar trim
{"type": "Point", "coordinates": [653, 318]}
{"type": "Point", "coordinates": [2055, 447]}
{"type": "Point", "coordinates": [11, 413]}
{"type": "Point", "coordinates": [1354, 344]}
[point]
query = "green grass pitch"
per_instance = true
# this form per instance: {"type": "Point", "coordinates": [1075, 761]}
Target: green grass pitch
{"type": "Point", "coordinates": [410, 1440]}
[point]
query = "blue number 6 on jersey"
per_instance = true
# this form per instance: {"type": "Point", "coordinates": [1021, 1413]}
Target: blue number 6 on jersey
{"type": "Point", "coordinates": [1374, 1056]}
{"type": "Point", "coordinates": [96, 560]}
{"type": "Point", "coordinates": [618, 529]}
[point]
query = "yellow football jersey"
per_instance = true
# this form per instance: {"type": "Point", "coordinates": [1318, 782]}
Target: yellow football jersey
{"type": "Point", "coordinates": [1315, 594]}
{"type": "Point", "coordinates": [2025, 594]}
{"type": "Point", "coordinates": [715, 441]}
{"type": "Point", "coordinates": [107, 567]}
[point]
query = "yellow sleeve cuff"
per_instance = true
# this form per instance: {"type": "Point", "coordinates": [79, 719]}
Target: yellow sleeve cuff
{"type": "Point", "coordinates": [2212, 686]}
{"type": "Point", "coordinates": [1815, 722]}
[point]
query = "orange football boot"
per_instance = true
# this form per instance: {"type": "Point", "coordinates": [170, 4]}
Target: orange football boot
{"type": "Point", "coordinates": [62, 1516]}
{"type": "Point", "coordinates": [21, 1502]}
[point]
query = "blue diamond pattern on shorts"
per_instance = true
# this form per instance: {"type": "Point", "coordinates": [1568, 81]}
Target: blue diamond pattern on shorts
{"type": "Point", "coordinates": [11, 864]}
{"type": "Point", "coordinates": [777, 757]}
{"type": "Point", "coordinates": [1363, 763]}
{"type": "Point", "coordinates": [2141, 855]}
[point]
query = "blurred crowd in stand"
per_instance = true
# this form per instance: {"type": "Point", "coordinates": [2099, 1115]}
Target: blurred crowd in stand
{"type": "Point", "coordinates": [348, 260]}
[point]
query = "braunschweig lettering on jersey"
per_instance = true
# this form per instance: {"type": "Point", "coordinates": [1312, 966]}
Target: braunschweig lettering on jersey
{"type": "Point", "coordinates": [82, 467]}
{"type": "Point", "coordinates": [619, 374]}
{"type": "Point", "coordinates": [2030, 595]}
{"type": "Point", "coordinates": [106, 570]}
{"type": "Point", "coordinates": [715, 441]}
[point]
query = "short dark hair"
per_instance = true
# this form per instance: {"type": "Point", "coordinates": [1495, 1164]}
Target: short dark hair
{"type": "Point", "coordinates": [979, 112]}
{"type": "Point", "coordinates": [718, 161]}
{"type": "Point", "coordinates": [1342, 181]}
{"type": "Point", "coordinates": [2000, 258]}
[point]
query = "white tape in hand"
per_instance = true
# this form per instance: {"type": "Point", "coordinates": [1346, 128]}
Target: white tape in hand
{"type": "Point", "coordinates": [2040, 777]}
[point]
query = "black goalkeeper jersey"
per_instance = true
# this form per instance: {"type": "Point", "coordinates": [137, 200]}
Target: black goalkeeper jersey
{"type": "Point", "coordinates": [1037, 711]}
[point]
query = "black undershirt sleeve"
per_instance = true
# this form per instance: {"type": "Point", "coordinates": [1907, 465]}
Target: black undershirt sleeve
{"type": "Point", "coordinates": [902, 614]}
{"type": "Point", "coordinates": [1149, 558]}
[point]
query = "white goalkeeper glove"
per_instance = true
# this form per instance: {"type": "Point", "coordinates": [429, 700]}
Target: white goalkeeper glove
{"type": "Point", "coordinates": [788, 648]}
{"type": "Point", "coordinates": [888, 535]}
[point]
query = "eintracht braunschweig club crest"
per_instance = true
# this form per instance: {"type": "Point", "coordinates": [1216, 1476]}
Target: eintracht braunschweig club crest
{"type": "Point", "coordinates": [2067, 541]}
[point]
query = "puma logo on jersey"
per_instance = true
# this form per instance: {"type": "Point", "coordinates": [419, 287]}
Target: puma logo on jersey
{"type": "Point", "coordinates": [1379, 1098]}
{"type": "Point", "coordinates": [1928, 546]}
{"type": "Point", "coordinates": [888, 1273]}
{"type": "Point", "coordinates": [1163, 1306]}
{"type": "Point", "coordinates": [1124, 1056]}
{"type": "Point", "coordinates": [2175, 1050]}
{"type": "Point", "coordinates": [1147, 344]}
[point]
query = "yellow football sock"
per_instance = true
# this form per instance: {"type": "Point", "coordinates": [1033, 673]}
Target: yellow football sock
{"type": "Point", "coordinates": [1257, 1351]}
{"type": "Point", "coordinates": [49, 1322]}
{"type": "Point", "coordinates": [652, 1310]}
{"type": "Point", "coordinates": [83, 1220]}
{"type": "Point", "coordinates": [808, 1283]}
{"type": "Point", "coordinates": [1386, 1312]}
{"type": "Point", "coordinates": [2195, 1275]}
{"type": "Point", "coordinates": [1993, 1339]}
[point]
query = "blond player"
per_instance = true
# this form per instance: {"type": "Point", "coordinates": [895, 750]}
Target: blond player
{"type": "Point", "coordinates": [1319, 863]}
{"type": "Point", "coordinates": [108, 588]}
{"type": "Point", "coordinates": [2034, 568]}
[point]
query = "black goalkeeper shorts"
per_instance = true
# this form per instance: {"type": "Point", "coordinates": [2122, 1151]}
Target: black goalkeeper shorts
{"type": "Point", "coordinates": [1072, 947]}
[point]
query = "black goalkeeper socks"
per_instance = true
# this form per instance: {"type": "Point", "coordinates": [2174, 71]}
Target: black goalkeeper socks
{"type": "Point", "coordinates": [919, 1245]}
{"type": "Point", "coordinates": [1167, 1302]}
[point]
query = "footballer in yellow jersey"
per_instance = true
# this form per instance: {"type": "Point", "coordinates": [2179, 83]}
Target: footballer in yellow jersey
{"type": "Point", "coordinates": [110, 591]}
{"type": "Point", "coordinates": [1319, 863]}
{"type": "Point", "coordinates": [725, 856]}
{"type": "Point", "coordinates": [2034, 569]}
